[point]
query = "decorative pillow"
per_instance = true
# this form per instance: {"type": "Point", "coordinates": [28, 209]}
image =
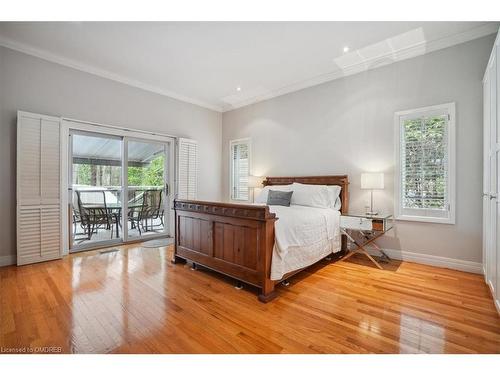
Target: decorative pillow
{"type": "Point", "coordinates": [312, 195]}
{"type": "Point", "coordinates": [262, 196]}
{"type": "Point", "coordinates": [279, 198]}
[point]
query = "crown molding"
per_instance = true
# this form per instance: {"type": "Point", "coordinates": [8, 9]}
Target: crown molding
{"type": "Point", "coordinates": [387, 59]}
{"type": "Point", "coordinates": [493, 53]}
{"type": "Point", "coordinates": [369, 64]}
{"type": "Point", "coordinates": [48, 56]}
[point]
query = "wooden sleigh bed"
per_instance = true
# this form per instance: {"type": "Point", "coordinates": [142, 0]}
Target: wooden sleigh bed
{"type": "Point", "coordinates": [238, 239]}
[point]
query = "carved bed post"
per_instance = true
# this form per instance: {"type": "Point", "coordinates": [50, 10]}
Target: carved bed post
{"type": "Point", "coordinates": [267, 243]}
{"type": "Point", "coordinates": [176, 259]}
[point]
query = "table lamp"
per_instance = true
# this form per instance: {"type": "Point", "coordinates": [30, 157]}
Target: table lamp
{"type": "Point", "coordinates": [253, 183]}
{"type": "Point", "coordinates": [372, 181]}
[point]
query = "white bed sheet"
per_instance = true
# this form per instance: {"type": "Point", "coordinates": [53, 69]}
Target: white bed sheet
{"type": "Point", "coordinates": [303, 236]}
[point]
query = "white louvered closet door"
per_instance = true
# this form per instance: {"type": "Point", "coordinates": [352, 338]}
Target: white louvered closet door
{"type": "Point", "coordinates": [187, 156]}
{"type": "Point", "coordinates": [38, 188]}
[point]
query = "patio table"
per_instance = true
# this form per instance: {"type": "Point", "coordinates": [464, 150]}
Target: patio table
{"type": "Point", "coordinates": [113, 209]}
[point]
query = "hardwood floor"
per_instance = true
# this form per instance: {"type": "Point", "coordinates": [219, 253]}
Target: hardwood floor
{"type": "Point", "coordinates": [136, 301]}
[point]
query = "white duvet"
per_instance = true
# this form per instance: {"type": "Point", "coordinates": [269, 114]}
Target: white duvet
{"type": "Point", "coordinates": [303, 236]}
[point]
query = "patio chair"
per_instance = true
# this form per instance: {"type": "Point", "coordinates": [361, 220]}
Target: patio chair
{"type": "Point", "coordinates": [135, 209]}
{"type": "Point", "coordinates": [153, 207]}
{"type": "Point", "coordinates": [77, 221]}
{"type": "Point", "coordinates": [94, 212]}
{"type": "Point", "coordinates": [148, 207]}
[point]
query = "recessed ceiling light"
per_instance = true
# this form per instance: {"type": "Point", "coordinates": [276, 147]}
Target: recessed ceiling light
{"type": "Point", "coordinates": [346, 49]}
{"type": "Point", "coordinates": [238, 88]}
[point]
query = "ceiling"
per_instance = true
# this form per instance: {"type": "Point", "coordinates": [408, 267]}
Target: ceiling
{"type": "Point", "coordinates": [205, 62]}
{"type": "Point", "coordinates": [109, 149]}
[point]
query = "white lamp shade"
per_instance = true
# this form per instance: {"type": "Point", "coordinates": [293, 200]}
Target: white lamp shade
{"type": "Point", "coordinates": [372, 180]}
{"type": "Point", "coordinates": [255, 181]}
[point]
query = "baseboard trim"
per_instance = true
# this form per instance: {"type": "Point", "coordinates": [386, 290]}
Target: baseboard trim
{"type": "Point", "coordinates": [7, 260]}
{"type": "Point", "coordinates": [493, 294]}
{"type": "Point", "coordinates": [433, 260]}
{"type": "Point", "coordinates": [443, 262]}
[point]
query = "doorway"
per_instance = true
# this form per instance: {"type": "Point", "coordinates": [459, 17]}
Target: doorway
{"type": "Point", "coordinates": [147, 188]}
{"type": "Point", "coordinates": [118, 186]}
{"type": "Point", "coordinates": [96, 189]}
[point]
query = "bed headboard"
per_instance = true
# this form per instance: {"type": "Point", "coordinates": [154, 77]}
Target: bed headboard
{"type": "Point", "coordinates": [341, 180]}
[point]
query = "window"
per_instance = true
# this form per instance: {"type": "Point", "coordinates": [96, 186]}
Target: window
{"type": "Point", "coordinates": [425, 164]}
{"type": "Point", "coordinates": [240, 155]}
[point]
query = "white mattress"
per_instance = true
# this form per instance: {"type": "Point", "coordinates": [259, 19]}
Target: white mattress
{"type": "Point", "coordinates": [304, 235]}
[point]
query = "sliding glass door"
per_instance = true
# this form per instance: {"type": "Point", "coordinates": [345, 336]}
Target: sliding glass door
{"type": "Point", "coordinates": [95, 189]}
{"type": "Point", "coordinates": [119, 189]}
{"type": "Point", "coordinates": [147, 188]}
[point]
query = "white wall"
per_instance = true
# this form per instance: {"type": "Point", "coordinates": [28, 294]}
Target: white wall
{"type": "Point", "coordinates": [31, 84]}
{"type": "Point", "coordinates": [346, 126]}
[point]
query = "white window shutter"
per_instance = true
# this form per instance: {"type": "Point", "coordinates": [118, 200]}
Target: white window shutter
{"type": "Point", "coordinates": [425, 185]}
{"type": "Point", "coordinates": [187, 182]}
{"type": "Point", "coordinates": [240, 155]}
{"type": "Point", "coordinates": [38, 188]}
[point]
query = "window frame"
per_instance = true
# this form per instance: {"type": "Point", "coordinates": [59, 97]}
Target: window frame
{"type": "Point", "coordinates": [451, 182]}
{"type": "Point", "coordinates": [233, 142]}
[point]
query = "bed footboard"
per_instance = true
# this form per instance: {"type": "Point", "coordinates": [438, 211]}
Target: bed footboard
{"type": "Point", "coordinates": [234, 239]}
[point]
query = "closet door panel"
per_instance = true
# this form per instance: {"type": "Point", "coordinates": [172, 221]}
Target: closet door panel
{"type": "Point", "coordinates": [486, 167]}
{"type": "Point", "coordinates": [50, 162]}
{"type": "Point", "coordinates": [38, 188]}
{"type": "Point", "coordinates": [50, 231]}
{"type": "Point", "coordinates": [495, 104]}
{"type": "Point", "coordinates": [29, 235]}
{"type": "Point", "coordinates": [491, 174]}
{"type": "Point", "coordinates": [28, 157]}
{"type": "Point", "coordinates": [495, 221]}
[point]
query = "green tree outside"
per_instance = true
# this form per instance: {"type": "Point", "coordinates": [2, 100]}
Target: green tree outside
{"type": "Point", "coordinates": [149, 175]}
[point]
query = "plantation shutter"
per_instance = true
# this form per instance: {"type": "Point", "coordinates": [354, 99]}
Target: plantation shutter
{"type": "Point", "coordinates": [240, 169]}
{"type": "Point", "coordinates": [38, 188]}
{"type": "Point", "coordinates": [425, 163]}
{"type": "Point", "coordinates": [187, 169]}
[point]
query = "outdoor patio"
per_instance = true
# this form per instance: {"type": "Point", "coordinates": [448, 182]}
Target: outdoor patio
{"type": "Point", "coordinates": [97, 204]}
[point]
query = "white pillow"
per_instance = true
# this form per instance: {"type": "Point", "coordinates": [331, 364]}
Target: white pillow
{"type": "Point", "coordinates": [335, 202]}
{"type": "Point", "coordinates": [262, 197]}
{"type": "Point", "coordinates": [338, 204]}
{"type": "Point", "coordinates": [312, 195]}
{"type": "Point", "coordinates": [323, 196]}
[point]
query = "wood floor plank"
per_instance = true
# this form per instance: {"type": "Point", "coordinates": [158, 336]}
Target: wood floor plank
{"type": "Point", "coordinates": [136, 301]}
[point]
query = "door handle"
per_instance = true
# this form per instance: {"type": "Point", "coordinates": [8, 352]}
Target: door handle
{"type": "Point", "coordinates": [167, 190]}
{"type": "Point", "coordinates": [493, 196]}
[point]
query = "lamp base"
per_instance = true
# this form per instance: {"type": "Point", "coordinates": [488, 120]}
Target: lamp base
{"type": "Point", "coordinates": [371, 213]}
